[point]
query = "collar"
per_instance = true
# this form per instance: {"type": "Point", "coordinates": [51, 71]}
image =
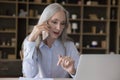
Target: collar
{"type": "Point", "coordinates": [55, 43]}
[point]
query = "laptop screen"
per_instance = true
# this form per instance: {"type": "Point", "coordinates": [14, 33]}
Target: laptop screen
{"type": "Point", "coordinates": [98, 67]}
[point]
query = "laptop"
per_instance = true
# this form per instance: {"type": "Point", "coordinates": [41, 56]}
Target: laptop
{"type": "Point", "coordinates": [98, 67]}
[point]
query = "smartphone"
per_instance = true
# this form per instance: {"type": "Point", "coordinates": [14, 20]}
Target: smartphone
{"type": "Point", "coordinates": [44, 35]}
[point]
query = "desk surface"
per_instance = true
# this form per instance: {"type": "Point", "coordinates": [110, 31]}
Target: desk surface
{"type": "Point", "coordinates": [40, 79]}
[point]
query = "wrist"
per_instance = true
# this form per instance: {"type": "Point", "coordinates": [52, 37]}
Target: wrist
{"type": "Point", "coordinates": [73, 71]}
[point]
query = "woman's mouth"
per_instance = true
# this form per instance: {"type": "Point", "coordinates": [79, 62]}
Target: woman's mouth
{"type": "Point", "coordinates": [56, 33]}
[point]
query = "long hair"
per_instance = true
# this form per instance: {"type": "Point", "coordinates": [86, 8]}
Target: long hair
{"type": "Point", "coordinates": [48, 12]}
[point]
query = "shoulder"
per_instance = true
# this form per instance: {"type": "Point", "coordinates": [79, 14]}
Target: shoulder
{"type": "Point", "coordinates": [69, 43]}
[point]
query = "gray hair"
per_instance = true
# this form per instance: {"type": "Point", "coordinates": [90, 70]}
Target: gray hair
{"type": "Point", "coordinates": [48, 12]}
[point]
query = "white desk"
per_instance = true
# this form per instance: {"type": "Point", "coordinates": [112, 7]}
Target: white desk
{"type": "Point", "coordinates": [63, 79]}
{"type": "Point", "coordinates": [40, 79]}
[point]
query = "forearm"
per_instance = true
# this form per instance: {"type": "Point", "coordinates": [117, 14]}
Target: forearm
{"type": "Point", "coordinates": [29, 66]}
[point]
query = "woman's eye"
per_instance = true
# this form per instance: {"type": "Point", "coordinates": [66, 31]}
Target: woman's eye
{"type": "Point", "coordinates": [54, 22]}
{"type": "Point", "coordinates": [62, 23]}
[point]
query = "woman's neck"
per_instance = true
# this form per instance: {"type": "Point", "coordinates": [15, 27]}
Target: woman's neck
{"type": "Point", "coordinates": [49, 42]}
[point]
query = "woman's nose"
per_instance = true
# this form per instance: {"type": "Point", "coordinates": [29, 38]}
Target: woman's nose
{"type": "Point", "coordinates": [58, 26]}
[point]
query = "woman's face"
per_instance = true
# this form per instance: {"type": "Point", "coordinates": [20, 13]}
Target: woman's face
{"type": "Point", "coordinates": [57, 23]}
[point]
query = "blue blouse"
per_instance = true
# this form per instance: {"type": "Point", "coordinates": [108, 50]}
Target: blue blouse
{"type": "Point", "coordinates": [44, 65]}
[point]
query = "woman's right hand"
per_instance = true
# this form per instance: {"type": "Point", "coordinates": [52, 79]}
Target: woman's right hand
{"type": "Point", "coordinates": [37, 30]}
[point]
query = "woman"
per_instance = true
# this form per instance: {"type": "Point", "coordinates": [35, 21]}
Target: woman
{"type": "Point", "coordinates": [55, 56]}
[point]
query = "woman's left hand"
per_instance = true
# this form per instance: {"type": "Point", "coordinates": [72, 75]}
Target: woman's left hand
{"type": "Point", "coordinates": [67, 63]}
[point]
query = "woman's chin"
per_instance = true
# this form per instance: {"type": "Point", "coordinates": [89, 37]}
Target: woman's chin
{"type": "Point", "coordinates": [55, 37]}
